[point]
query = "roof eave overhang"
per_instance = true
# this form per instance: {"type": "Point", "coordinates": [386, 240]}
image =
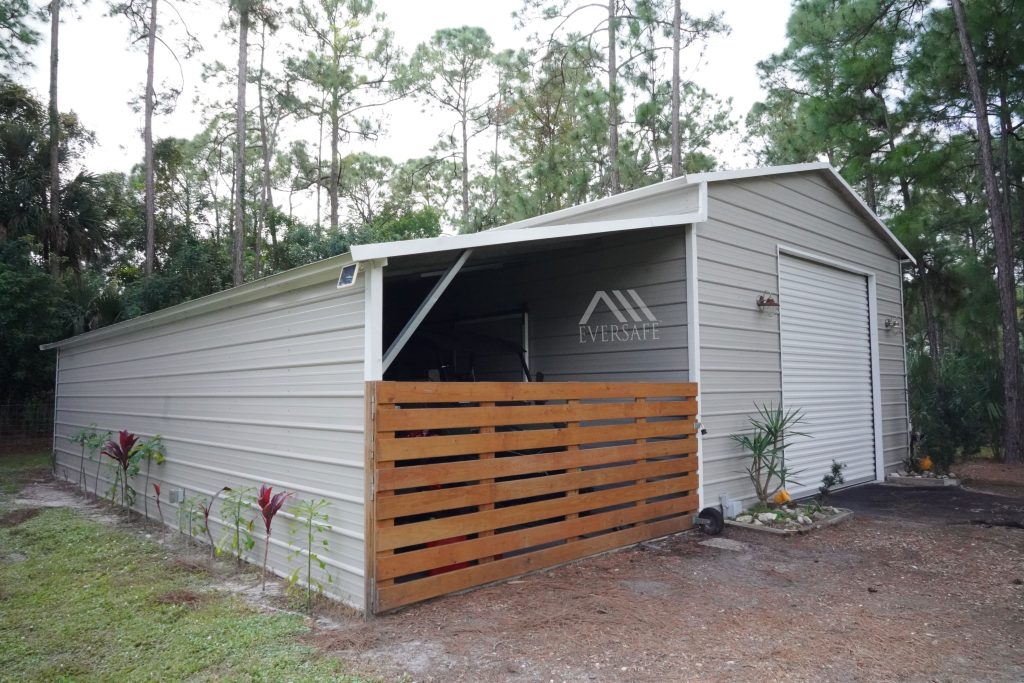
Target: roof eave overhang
{"type": "Point", "coordinates": [490, 238]}
{"type": "Point", "coordinates": [281, 282]}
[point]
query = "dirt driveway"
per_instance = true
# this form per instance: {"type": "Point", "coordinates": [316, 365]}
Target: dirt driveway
{"type": "Point", "coordinates": [910, 590]}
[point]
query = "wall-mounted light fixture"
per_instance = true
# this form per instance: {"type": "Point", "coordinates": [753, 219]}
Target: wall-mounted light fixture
{"type": "Point", "coordinates": [768, 301]}
{"type": "Point", "coordinates": [892, 324]}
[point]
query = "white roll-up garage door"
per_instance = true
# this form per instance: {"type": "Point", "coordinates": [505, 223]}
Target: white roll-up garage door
{"type": "Point", "coordinates": [826, 370]}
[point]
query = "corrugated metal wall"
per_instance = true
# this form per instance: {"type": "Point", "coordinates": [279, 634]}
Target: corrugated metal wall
{"type": "Point", "coordinates": [267, 391]}
{"type": "Point", "coordinates": [826, 371]}
{"type": "Point", "coordinates": [740, 351]}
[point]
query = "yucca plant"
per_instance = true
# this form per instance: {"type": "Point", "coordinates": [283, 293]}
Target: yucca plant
{"type": "Point", "coordinates": [269, 506]}
{"type": "Point", "coordinates": [121, 452]}
{"type": "Point", "coordinates": [766, 447]}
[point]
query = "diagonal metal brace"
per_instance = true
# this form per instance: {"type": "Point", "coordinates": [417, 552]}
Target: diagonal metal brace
{"type": "Point", "coordinates": [424, 308]}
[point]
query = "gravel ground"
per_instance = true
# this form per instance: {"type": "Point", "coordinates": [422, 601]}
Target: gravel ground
{"type": "Point", "coordinates": [908, 595]}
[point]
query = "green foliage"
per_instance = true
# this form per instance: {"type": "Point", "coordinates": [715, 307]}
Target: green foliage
{"type": "Point", "coordinates": [79, 579]}
{"type": "Point", "coordinates": [833, 478]}
{"type": "Point", "coordinates": [17, 468]}
{"type": "Point", "coordinates": [88, 439]}
{"type": "Point", "coordinates": [311, 524]}
{"type": "Point", "coordinates": [878, 88]}
{"type": "Point", "coordinates": [773, 427]}
{"type": "Point", "coordinates": [958, 406]}
{"type": "Point", "coordinates": [190, 517]}
{"type": "Point", "coordinates": [17, 34]}
{"type": "Point", "coordinates": [237, 539]}
{"type": "Point", "coordinates": [28, 317]}
{"type": "Point", "coordinates": [149, 451]}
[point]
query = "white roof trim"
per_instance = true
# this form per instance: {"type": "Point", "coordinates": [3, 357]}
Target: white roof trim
{"type": "Point", "coordinates": [703, 179]}
{"type": "Point", "coordinates": [487, 238]}
{"type": "Point", "coordinates": [289, 279]}
{"type": "Point", "coordinates": [869, 214]}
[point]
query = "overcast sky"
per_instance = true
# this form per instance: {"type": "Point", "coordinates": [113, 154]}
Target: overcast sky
{"type": "Point", "coordinates": [100, 72]}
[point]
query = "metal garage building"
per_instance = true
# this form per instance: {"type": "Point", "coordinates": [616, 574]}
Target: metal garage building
{"type": "Point", "coordinates": [774, 284]}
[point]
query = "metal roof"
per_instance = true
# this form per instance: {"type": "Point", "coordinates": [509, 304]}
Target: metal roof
{"type": "Point", "coordinates": [551, 226]}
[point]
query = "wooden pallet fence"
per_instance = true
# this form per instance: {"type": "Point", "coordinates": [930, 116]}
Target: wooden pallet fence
{"type": "Point", "coordinates": [475, 482]}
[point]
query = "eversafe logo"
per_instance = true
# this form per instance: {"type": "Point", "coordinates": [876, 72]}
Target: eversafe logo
{"type": "Point", "coordinates": [640, 325]}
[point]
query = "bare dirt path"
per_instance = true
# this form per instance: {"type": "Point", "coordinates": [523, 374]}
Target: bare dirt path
{"type": "Point", "coordinates": [909, 590]}
{"type": "Point", "coordinates": [905, 597]}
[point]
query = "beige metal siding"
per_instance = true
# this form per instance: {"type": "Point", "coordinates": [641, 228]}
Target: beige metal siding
{"type": "Point", "coordinates": [740, 352]}
{"type": "Point", "coordinates": [267, 391]}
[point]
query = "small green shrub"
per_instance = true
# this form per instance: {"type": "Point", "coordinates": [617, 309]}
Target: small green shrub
{"type": "Point", "coordinates": [832, 479]}
{"type": "Point", "coordinates": [237, 538]}
{"type": "Point", "coordinates": [150, 451]}
{"type": "Point", "coordinates": [190, 519]}
{"type": "Point", "coordinates": [89, 439]}
{"type": "Point", "coordinates": [312, 523]}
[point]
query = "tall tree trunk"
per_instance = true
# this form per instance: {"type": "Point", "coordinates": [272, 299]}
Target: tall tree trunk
{"type": "Point", "coordinates": [931, 323]}
{"type": "Point", "coordinates": [238, 245]}
{"type": "Point", "coordinates": [320, 166]}
{"type": "Point", "coordinates": [55, 230]}
{"type": "Point", "coordinates": [465, 166]}
{"type": "Point", "coordinates": [1002, 238]}
{"type": "Point", "coordinates": [265, 155]}
{"type": "Point", "coordinates": [677, 29]}
{"type": "Point", "coordinates": [613, 106]}
{"type": "Point", "coordinates": [1005, 133]}
{"type": "Point", "coordinates": [497, 138]}
{"type": "Point", "coordinates": [333, 185]}
{"type": "Point", "coordinates": [148, 141]}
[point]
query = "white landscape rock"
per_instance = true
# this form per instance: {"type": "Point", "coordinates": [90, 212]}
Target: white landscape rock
{"type": "Point", "coordinates": [745, 519]}
{"type": "Point", "coordinates": [766, 517]}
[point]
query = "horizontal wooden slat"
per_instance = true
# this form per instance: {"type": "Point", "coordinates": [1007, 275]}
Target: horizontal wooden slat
{"type": "Point", "coordinates": [466, 444]}
{"type": "Point", "coordinates": [392, 537]}
{"type": "Point", "coordinates": [620, 466]}
{"type": "Point", "coordinates": [499, 416]}
{"type": "Point", "coordinates": [402, 564]}
{"type": "Point", "coordinates": [389, 597]}
{"type": "Point", "coordinates": [474, 392]}
{"type": "Point", "coordinates": [413, 476]}
{"type": "Point", "coordinates": [482, 494]}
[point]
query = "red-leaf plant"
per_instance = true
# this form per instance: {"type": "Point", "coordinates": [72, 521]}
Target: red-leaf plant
{"type": "Point", "coordinates": [269, 506]}
{"type": "Point", "coordinates": [156, 489]}
{"type": "Point", "coordinates": [207, 509]}
{"type": "Point", "coordinates": [121, 452]}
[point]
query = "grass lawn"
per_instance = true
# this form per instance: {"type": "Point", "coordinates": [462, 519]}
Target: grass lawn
{"type": "Point", "coordinates": [15, 469]}
{"type": "Point", "coordinates": [82, 601]}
